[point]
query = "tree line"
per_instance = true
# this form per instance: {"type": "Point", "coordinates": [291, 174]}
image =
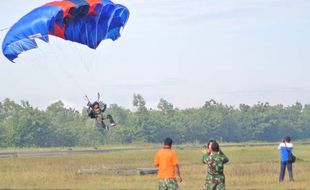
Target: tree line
{"type": "Point", "coordinates": [22, 125]}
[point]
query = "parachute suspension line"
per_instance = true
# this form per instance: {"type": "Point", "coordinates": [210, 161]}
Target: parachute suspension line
{"type": "Point", "coordinates": [72, 79]}
{"type": "Point", "coordinates": [4, 29]}
{"type": "Point", "coordinates": [78, 53]}
{"type": "Point", "coordinates": [61, 54]}
{"type": "Point", "coordinates": [39, 67]}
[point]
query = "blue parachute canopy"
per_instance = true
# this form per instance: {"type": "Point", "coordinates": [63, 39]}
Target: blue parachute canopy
{"type": "Point", "coordinates": [86, 22]}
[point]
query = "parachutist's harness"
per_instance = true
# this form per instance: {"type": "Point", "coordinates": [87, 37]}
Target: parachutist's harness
{"type": "Point", "coordinates": [95, 111]}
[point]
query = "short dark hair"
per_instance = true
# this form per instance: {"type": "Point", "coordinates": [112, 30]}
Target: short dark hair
{"type": "Point", "coordinates": [215, 147]}
{"type": "Point", "coordinates": [168, 141]}
{"type": "Point", "coordinates": [287, 139]}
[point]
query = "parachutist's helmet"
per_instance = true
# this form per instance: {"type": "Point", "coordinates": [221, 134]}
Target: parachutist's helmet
{"type": "Point", "coordinates": [95, 104]}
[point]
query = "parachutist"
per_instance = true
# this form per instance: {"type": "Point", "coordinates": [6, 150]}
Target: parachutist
{"type": "Point", "coordinates": [95, 111]}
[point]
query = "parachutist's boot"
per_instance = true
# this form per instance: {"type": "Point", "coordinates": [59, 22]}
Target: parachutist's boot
{"type": "Point", "coordinates": [112, 122]}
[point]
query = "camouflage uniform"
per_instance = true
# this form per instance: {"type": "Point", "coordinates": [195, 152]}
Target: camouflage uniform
{"type": "Point", "coordinates": [168, 184]}
{"type": "Point", "coordinates": [215, 178]}
{"type": "Point", "coordinates": [205, 157]}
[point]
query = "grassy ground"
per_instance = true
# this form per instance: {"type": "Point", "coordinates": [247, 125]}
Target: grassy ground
{"type": "Point", "coordinates": [249, 168]}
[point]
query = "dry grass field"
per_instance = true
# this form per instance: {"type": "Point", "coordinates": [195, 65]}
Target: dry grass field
{"type": "Point", "coordinates": [249, 168]}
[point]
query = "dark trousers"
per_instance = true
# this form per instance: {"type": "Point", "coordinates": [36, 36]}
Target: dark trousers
{"type": "Point", "coordinates": [100, 121]}
{"type": "Point", "coordinates": [110, 118]}
{"type": "Point", "coordinates": [289, 166]}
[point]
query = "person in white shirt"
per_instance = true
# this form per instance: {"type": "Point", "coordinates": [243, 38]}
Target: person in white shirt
{"type": "Point", "coordinates": [285, 148]}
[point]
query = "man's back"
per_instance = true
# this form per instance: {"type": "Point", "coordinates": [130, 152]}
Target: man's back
{"type": "Point", "coordinates": [166, 159]}
{"type": "Point", "coordinates": [285, 149]}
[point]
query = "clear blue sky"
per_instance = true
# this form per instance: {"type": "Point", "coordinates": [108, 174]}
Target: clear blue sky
{"type": "Point", "coordinates": [234, 51]}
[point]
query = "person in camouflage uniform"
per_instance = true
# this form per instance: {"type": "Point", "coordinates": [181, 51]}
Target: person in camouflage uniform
{"type": "Point", "coordinates": [95, 110]}
{"type": "Point", "coordinates": [215, 163]}
{"type": "Point", "coordinates": [207, 151]}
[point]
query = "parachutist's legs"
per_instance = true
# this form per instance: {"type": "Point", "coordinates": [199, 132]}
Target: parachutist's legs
{"type": "Point", "coordinates": [100, 122]}
{"type": "Point", "coordinates": [112, 122]}
{"type": "Point", "coordinates": [101, 125]}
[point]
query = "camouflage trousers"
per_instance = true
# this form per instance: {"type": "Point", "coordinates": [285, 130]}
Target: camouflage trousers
{"type": "Point", "coordinates": [168, 184]}
{"type": "Point", "coordinates": [216, 182]}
